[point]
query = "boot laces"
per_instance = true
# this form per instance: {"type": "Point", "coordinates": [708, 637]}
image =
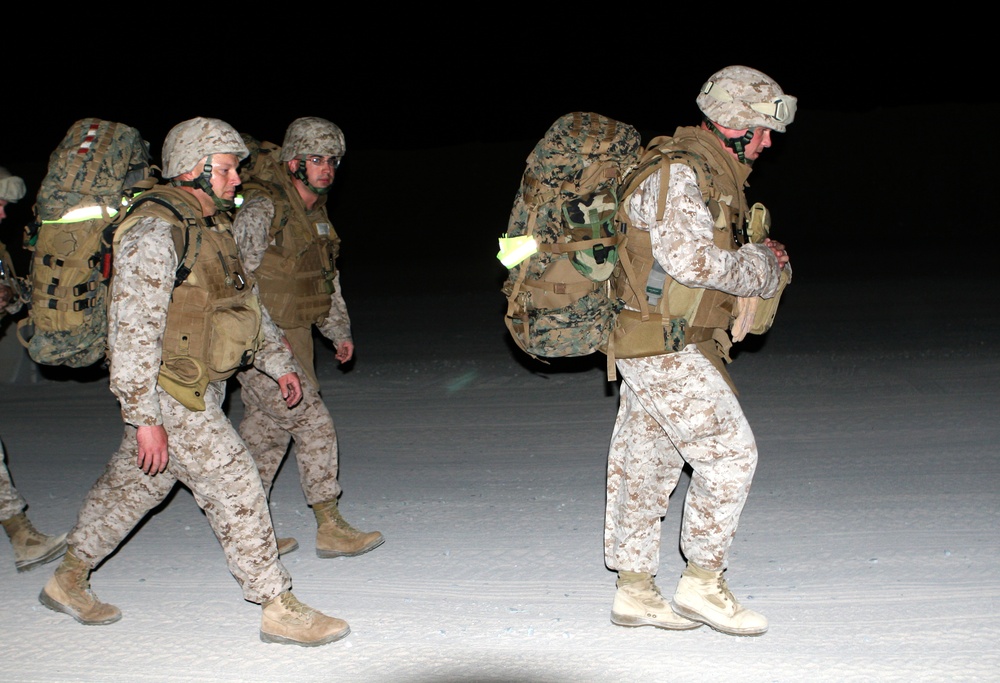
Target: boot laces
{"type": "Point", "coordinates": [339, 520]}
{"type": "Point", "coordinates": [649, 593]}
{"type": "Point", "coordinates": [334, 516]}
{"type": "Point", "coordinates": [292, 604]}
{"type": "Point", "coordinates": [79, 581]}
{"type": "Point", "coordinates": [725, 594]}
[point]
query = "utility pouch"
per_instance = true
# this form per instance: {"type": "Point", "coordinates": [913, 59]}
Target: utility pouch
{"type": "Point", "coordinates": [186, 379]}
{"type": "Point", "coordinates": [633, 337]}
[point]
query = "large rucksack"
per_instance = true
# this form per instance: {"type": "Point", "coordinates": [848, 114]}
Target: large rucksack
{"type": "Point", "coordinates": [92, 176]}
{"type": "Point", "coordinates": [562, 241]}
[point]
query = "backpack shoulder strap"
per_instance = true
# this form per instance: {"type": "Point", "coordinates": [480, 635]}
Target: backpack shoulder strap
{"type": "Point", "coordinates": [660, 154]}
{"type": "Point", "coordinates": [177, 208]}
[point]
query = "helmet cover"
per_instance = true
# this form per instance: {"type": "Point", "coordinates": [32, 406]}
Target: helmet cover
{"type": "Point", "coordinates": [312, 135]}
{"type": "Point", "coordinates": [190, 141]}
{"type": "Point", "coordinates": [12, 188]}
{"type": "Point", "coordinates": [739, 97]}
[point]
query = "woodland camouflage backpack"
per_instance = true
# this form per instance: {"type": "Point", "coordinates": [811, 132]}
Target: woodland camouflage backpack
{"type": "Point", "coordinates": [562, 241]}
{"type": "Point", "coordinates": [91, 178]}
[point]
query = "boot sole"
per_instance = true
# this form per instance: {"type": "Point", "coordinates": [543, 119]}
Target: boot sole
{"type": "Point", "coordinates": [282, 640]}
{"type": "Point", "coordinates": [54, 554]}
{"type": "Point", "coordinates": [326, 554]}
{"type": "Point", "coordinates": [57, 606]}
{"type": "Point", "coordinates": [729, 631]}
{"type": "Point", "coordinates": [625, 620]}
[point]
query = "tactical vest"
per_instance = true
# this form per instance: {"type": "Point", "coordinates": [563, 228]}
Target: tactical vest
{"type": "Point", "coordinates": [214, 316]}
{"type": "Point", "coordinates": [684, 315]}
{"type": "Point", "coordinates": [296, 274]}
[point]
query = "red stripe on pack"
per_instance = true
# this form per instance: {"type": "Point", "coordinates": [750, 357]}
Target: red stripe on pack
{"type": "Point", "coordinates": [88, 140]}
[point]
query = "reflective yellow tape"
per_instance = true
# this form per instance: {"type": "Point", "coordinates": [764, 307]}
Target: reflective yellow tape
{"type": "Point", "coordinates": [85, 213]}
{"type": "Point", "coordinates": [513, 250]}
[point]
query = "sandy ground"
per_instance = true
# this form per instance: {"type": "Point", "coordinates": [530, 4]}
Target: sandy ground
{"type": "Point", "coordinates": [869, 539]}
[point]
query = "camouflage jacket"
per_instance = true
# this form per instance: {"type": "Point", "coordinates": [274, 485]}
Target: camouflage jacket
{"type": "Point", "coordinates": [8, 278]}
{"type": "Point", "coordinates": [251, 227]}
{"type": "Point", "coordinates": [145, 265]}
{"type": "Point", "coordinates": [683, 239]}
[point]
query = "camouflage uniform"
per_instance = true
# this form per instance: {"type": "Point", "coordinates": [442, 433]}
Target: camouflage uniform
{"type": "Point", "coordinates": [11, 502]}
{"type": "Point", "coordinates": [31, 548]}
{"type": "Point", "coordinates": [679, 407]}
{"type": "Point", "coordinates": [206, 453]}
{"type": "Point", "coordinates": [268, 425]}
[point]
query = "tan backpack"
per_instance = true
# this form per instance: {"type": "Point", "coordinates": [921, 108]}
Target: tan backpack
{"type": "Point", "coordinates": [92, 176]}
{"type": "Point", "coordinates": [563, 239]}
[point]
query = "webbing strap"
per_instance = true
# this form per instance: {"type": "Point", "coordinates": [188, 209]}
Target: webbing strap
{"type": "Point", "coordinates": [626, 264]}
{"type": "Point", "coordinates": [515, 292]}
{"type": "Point", "coordinates": [562, 287]}
{"type": "Point", "coordinates": [188, 256]}
{"type": "Point", "coordinates": [581, 245]}
{"type": "Point", "coordinates": [91, 143]}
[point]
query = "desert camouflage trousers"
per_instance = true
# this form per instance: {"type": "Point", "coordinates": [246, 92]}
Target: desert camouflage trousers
{"type": "Point", "coordinates": [673, 409]}
{"type": "Point", "coordinates": [269, 426]}
{"type": "Point", "coordinates": [11, 502]}
{"type": "Point", "coordinates": [207, 456]}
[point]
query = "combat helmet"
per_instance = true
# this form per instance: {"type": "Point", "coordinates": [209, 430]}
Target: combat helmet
{"type": "Point", "coordinates": [741, 98]}
{"type": "Point", "coordinates": [312, 136]}
{"type": "Point", "coordinates": [199, 138]}
{"type": "Point", "coordinates": [12, 188]}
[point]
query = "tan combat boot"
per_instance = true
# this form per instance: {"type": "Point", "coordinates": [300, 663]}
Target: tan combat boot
{"type": "Point", "coordinates": [336, 538]}
{"type": "Point", "coordinates": [69, 591]}
{"type": "Point", "coordinates": [287, 545]}
{"type": "Point", "coordinates": [703, 595]}
{"type": "Point", "coordinates": [31, 547]}
{"type": "Point", "coordinates": [287, 621]}
{"type": "Point", "coordinates": [638, 602]}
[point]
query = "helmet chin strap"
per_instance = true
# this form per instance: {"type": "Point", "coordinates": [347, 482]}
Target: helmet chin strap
{"type": "Point", "coordinates": [300, 173]}
{"type": "Point", "coordinates": [204, 183]}
{"type": "Point", "coordinates": [738, 145]}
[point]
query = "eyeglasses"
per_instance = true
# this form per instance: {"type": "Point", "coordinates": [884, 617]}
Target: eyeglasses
{"type": "Point", "coordinates": [316, 160]}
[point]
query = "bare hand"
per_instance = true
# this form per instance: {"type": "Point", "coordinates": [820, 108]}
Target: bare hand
{"type": "Point", "coordinates": [153, 455]}
{"type": "Point", "coordinates": [291, 389]}
{"type": "Point", "coordinates": [345, 351]}
{"type": "Point", "coordinates": [778, 249]}
{"type": "Point", "coordinates": [6, 296]}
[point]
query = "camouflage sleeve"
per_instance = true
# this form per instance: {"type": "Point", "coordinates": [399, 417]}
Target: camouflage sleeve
{"type": "Point", "coordinates": [144, 265]}
{"type": "Point", "coordinates": [273, 358]}
{"type": "Point", "coordinates": [9, 279]}
{"type": "Point", "coordinates": [337, 325]}
{"type": "Point", "coordinates": [683, 240]}
{"type": "Point", "coordinates": [251, 228]}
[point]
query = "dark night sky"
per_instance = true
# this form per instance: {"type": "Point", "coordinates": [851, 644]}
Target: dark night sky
{"type": "Point", "coordinates": [422, 80]}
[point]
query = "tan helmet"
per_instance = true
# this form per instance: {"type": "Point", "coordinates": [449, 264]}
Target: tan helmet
{"type": "Point", "coordinates": [312, 135]}
{"type": "Point", "coordinates": [739, 97]}
{"type": "Point", "coordinates": [190, 141]}
{"type": "Point", "coordinates": [12, 188]}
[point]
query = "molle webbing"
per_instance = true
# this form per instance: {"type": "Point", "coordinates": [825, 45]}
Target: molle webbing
{"type": "Point", "coordinates": [296, 274]}
{"type": "Point", "coordinates": [214, 317]}
{"type": "Point", "coordinates": [684, 315]}
{"type": "Point", "coordinates": [184, 213]}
